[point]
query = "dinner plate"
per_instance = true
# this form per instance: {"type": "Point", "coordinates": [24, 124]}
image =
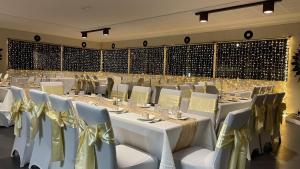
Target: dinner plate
{"type": "Point", "coordinates": [144, 119]}
{"type": "Point", "coordinates": [180, 118]}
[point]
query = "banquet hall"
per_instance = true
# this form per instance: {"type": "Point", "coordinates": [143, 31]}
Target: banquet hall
{"type": "Point", "coordinates": [139, 84]}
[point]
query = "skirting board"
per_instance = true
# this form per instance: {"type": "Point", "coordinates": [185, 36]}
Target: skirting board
{"type": "Point", "coordinates": [293, 118]}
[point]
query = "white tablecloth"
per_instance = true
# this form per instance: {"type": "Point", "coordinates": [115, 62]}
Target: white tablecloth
{"type": "Point", "coordinates": [68, 83]}
{"type": "Point", "coordinates": [159, 139]}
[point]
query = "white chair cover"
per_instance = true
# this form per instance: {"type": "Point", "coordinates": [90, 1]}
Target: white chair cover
{"type": "Point", "coordinates": [56, 88]}
{"type": "Point", "coordinates": [204, 104]}
{"type": "Point", "coordinates": [120, 91]}
{"type": "Point", "coordinates": [200, 158]}
{"type": "Point", "coordinates": [140, 94]}
{"type": "Point", "coordinates": [110, 156]}
{"type": "Point", "coordinates": [169, 98]}
{"type": "Point", "coordinates": [41, 154]}
{"type": "Point", "coordinates": [6, 101]}
{"type": "Point", "coordinates": [22, 145]}
{"type": "Point", "coordinates": [201, 88]}
{"type": "Point", "coordinates": [61, 104]}
{"type": "Point", "coordinates": [117, 79]}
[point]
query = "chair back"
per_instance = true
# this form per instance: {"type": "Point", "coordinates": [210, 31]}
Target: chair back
{"type": "Point", "coordinates": [120, 91]}
{"type": "Point", "coordinates": [279, 98]}
{"type": "Point", "coordinates": [212, 89]}
{"type": "Point", "coordinates": [234, 121]}
{"type": "Point", "coordinates": [92, 115]}
{"type": "Point", "coordinates": [61, 104]}
{"type": "Point", "coordinates": [269, 99]}
{"type": "Point", "coordinates": [263, 90]}
{"type": "Point", "coordinates": [186, 91]}
{"type": "Point", "coordinates": [256, 91]}
{"type": "Point", "coordinates": [56, 88]}
{"type": "Point", "coordinates": [201, 88]}
{"type": "Point", "coordinates": [169, 98]}
{"type": "Point", "coordinates": [269, 89]}
{"type": "Point", "coordinates": [110, 84]}
{"type": "Point", "coordinates": [117, 79]}
{"type": "Point", "coordinates": [6, 99]}
{"type": "Point", "coordinates": [140, 82]}
{"type": "Point", "coordinates": [18, 93]}
{"type": "Point", "coordinates": [258, 100]}
{"type": "Point", "coordinates": [140, 94]}
{"type": "Point", "coordinates": [204, 104]}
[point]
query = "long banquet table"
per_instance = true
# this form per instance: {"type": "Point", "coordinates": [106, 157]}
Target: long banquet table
{"type": "Point", "coordinates": [158, 139]}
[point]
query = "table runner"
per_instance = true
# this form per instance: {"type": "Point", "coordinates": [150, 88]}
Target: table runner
{"type": "Point", "coordinates": [189, 126]}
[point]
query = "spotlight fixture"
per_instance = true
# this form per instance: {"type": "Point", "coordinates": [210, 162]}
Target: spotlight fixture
{"type": "Point", "coordinates": [84, 35]}
{"type": "Point", "coordinates": [268, 7]}
{"type": "Point", "coordinates": [203, 17]}
{"type": "Point", "coordinates": [106, 31]}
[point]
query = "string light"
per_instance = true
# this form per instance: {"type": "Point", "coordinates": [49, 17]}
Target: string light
{"type": "Point", "coordinates": [147, 61]}
{"type": "Point", "coordinates": [115, 61]}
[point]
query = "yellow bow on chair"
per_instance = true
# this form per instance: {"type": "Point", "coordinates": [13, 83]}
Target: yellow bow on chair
{"type": "Point", "coordinates": [89, 136]}
{"type": "Point", "coordinates": [17, 109]}
{"type": "Point", "coordinates": [240, 140]}
{"type": "Point", "coordinates": [36, 112]}
{"type": "Point", "coordinates": [58, 121]}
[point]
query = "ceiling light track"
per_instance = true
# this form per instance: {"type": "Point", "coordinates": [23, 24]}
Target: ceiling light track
{"type": "Point", "coordinates": [104, 30]}
{"type": "Point", "coordinates": [268, 7]}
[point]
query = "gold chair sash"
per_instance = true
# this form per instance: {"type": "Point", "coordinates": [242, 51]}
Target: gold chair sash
{"type": "Point", "coordinates": [240, 140]}
{"type": "Point", "coordinates": [17, 109]}
{"type": "Point", "coordinates": [140, 97]}
{"type": "Point", "coordinates": [119, 94]}
{"type": "Point", "coordinates": [203, 104]}
{"type": "Point", "coordinates": [269, 121]}
{"type": "Point", "coordinates": [58, 121]}
{"type": "Point", "coordinates": [57, 90]}
{"type": "Point", "coordinates": [36, 112]}
{"type": "Point", "coordinates": [259, 112]}
{"type": "Point", "coordinates": [169, 100]}
{"type": "Point", "coordinates": [89, 136]}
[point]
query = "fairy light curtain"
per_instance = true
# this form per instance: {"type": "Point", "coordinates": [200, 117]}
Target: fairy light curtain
{"type": "Point", "coordinates": [147, 61]}
{"type": "Point", "coordinates": [262, 60]}
{"type": "Point", "coordinates": [115, 61]}
{"type": "Point", "coordinates": [33, 56]}
{"type": "Point", "coordinates": [190, 60]}
{"type": "Point", "coordinates": [79, 59]}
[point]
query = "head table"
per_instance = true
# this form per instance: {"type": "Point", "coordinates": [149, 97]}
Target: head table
{"type": "Point", "coordinates": [160, 139]}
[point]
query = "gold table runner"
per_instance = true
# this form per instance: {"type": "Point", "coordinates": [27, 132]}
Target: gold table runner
{"type": "Point", "coordinates": [189, 126]}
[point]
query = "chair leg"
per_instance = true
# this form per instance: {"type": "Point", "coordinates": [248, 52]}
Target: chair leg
{"type": "Point", "coordinates": [261, 148]}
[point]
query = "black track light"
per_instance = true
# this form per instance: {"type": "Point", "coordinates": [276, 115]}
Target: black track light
{"type": "Point", "coordinates": [268, 7]}
{"type": "Point", "coordinates": [84, 35]}
{"type": "Point", "coordinates": [106, 31]}
{"type": "Point", "coordinates": [203, 17]}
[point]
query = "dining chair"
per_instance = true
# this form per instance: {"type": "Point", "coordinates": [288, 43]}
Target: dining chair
{"type": "Point", "coordinates": [205, 105]}
{"type": "Point", "coordinates": [186, 92]}
{"type": "Point", "coordinates": [266, 134]}
{"type": "Point", "coordinates": [22, 144]}
{"type": "Point", "coordinates": [56, 88]}
{"type": "Point", "coordinates": [256, 122]}
{"type": "Point", "coordinates": [140, 94]}
{"type": "Point", "coordinates": [212, 89]}
{"type": "Point", "coordinates": [263, 90]}
{"type": "Point", "coordinates": [70, 133]}
{"type": "Point", "coordinates": [201, 158]}
{"type": "Point", "coordinates": [169, 98]}
{"type": "Point", "coordinates": [41, 153]}
{"type": "Point", "coordinates": [109, 155]}
{"type": "Point", "coordinates": [110, 84]}
{"type": "Point", "coordinates": [269, 89]}
{"type": "Point", "coordinates": [96, 85]}
{"type": "Point", "coordinates": [200, 87]}
{"type": "Point", "coordinates": [279, 107]}
{"type": "Point", "coordinates": [255, 91]}
{"type": "Point", "coordinates": [6, 101]}
{"type": "Point", "coordinates": [117, 79]}
{"type": "Point", "coordinates": [120, 91]}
